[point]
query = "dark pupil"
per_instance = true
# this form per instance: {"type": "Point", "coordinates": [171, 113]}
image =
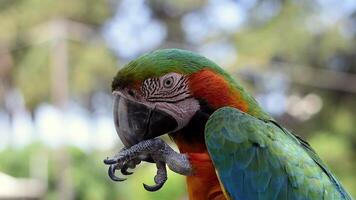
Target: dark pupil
{"type": "Point", "coordinates": [168, 82]}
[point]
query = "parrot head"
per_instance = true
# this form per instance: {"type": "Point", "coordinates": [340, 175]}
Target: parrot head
{"type": "Point", "coordinates": [164, 91]}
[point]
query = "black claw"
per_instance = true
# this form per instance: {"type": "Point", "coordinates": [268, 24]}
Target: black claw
{"type": "Point", "coordinates": [111, 173]}
{"type": "Point", "coordinates": [124, 171]}
{"type": "Point", "coordinates": [109, 161]}
{"type": "Point", "coordinates": [154, 187]}
{"type": "Point", "coordinates": [160, 178]}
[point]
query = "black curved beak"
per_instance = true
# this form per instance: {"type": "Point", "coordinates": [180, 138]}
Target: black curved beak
{"type": "Point", "coordinates": [135, 122]}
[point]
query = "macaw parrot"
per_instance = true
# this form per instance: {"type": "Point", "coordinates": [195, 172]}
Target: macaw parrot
{"type": "Point", "coordinates": [229, 148]}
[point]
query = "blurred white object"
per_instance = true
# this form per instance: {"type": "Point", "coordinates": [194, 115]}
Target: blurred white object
{"type": "Point", "coordinates": [20, 188]}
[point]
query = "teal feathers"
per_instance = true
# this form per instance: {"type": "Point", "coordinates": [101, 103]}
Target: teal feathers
{"type": "Point", "coordinates": [257, 159]}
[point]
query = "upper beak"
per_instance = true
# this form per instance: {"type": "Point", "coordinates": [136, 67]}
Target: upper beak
{"type": "Point", "coordinates": [135, 121]}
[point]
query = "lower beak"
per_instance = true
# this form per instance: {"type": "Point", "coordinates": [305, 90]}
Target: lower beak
{"type": "Point", "coordinates": [135, 122]}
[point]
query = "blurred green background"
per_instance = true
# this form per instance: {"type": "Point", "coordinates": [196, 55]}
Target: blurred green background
{"type": "Point", "coordinates": [57, 60]}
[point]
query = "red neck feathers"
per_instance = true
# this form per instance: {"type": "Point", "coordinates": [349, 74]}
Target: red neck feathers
{"type": "Point", "coordinates": [213, 88]}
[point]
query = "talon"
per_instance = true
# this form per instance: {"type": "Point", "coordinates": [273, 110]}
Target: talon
{"type": "Point", "coordinates": [160, 178]}
{"type": "Point", "coordinates": [154, 187]}
{"type": "Point", "coordinates": [109, 161]}
{"type": "Point", "coordinates": [111, 173]}
{"type": "Point", "coordinates": [124, 171]}
{"type": "Point", "coordinates": [115, 159]}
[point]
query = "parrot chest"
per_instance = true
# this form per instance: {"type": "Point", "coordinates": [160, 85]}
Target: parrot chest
{"type": "Point", "coordinates": [204, 184]}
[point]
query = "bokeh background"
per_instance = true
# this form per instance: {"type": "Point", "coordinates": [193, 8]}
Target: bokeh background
{"type": "Point", "coordinates": [57, 60]}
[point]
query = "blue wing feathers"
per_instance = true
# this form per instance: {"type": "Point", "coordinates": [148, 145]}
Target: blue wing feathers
{"type": "Point", "coordinates": [258, 159]}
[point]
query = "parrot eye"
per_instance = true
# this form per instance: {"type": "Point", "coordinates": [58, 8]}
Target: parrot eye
{"type": "Point", "coordinates": [168, 82]}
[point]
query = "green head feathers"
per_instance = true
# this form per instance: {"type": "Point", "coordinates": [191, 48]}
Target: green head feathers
{"type": "Point", "coordinates": [160, 62]}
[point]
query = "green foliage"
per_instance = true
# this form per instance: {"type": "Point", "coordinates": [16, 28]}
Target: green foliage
{"type": "Point", "coordinates": [335, 151]}
{"type": "Point", "coordinates": [30, 75]}
{"type": "Point", "coordinates": [27, 13]}
{"type": "Point", "coordinates": [29, 38]}
{"type": "Point", "coordinates": [92, 69]}
{"type": "Point", "coordinates": [283, 35]}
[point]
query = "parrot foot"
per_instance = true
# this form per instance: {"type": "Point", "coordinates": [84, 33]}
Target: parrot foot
{"type": "Point", "coordinates": [155, 149]}
{"type": "Point", "coordinates": [123, 167]}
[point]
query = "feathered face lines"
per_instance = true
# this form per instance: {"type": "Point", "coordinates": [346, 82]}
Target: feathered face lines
{"type": "Point", "coordinates": [172, 87]}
